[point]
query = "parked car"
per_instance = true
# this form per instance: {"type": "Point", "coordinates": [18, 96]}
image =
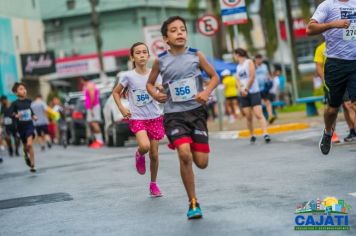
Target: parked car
{"type": "Point", "coordinates": [116, 128]}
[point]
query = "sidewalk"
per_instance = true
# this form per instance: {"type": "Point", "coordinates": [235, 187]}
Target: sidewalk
{"type": "Point", "coordinates": [284, 120]}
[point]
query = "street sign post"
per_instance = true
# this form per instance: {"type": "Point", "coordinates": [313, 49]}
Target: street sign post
{"type": "Point", "coordinates": [233, 12]}
{"type": "Point", "coordinates": [154, 40]}
{"type": "Point", "coordinates": [208, 25]}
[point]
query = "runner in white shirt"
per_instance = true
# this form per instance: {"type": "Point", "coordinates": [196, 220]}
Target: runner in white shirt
{"type": "Point", "coordinates": [249, 95]}
{"type": "Point", "coordinates": [336, 20]}
{"type": "Point", "coordinates": [145, 119]}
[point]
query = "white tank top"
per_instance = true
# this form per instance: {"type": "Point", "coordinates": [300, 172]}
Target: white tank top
{"type": "Point", "coordinates": [243, 73]}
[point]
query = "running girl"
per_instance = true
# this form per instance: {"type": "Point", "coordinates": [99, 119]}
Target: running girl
{"type": "Point", "coordinates": [145, 119]}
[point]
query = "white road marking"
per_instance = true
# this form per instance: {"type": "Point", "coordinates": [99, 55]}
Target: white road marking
{"type": "Point", "coordinates": [353, 194]}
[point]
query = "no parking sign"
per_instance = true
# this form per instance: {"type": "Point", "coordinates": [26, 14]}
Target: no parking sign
{"type": "Point", "coordinates": [208, 25]}
{"type": "Point", "coordinates": [154, 40]}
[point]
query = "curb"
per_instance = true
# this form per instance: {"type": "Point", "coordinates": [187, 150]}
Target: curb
{"type": "Point", "coordinates": [275, 129]}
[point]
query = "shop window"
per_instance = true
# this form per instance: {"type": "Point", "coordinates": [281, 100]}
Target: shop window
{"type": "Point", "coordinates": [81, 34]}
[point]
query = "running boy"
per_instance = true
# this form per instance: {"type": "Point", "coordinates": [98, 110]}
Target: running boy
{"type": "Point", "coordinates": [24, 115]}
{"type": "Point", "coordinates": [145, 118]}
{"type": "Point", "coordinates": [185, 116]}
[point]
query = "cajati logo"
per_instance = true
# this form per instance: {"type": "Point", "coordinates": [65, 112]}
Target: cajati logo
{"type": "Point", "coordinates": [327, 214]}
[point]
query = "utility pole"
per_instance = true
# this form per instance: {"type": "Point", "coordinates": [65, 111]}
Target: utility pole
{"type": "Point", "coordinates": [98, 40]}
{"type": "Point", "coordinates": [278, 30]}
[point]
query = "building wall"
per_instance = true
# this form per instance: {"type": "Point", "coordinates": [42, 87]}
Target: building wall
{"type": "Point", "coordinates": [28, 9]}
{"type": "Point", "coordinates": [120, 27]}
{"type": "Point", "coordinates": [24, 33]}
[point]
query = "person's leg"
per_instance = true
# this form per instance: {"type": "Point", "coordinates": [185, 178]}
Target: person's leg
{"type": "Point", "coordinates": [143, 142]}
{"type": "Point", "coordinates": [154, 162]}
{"type": "Point", "coordinates": [186, 169]}
{"type": "Point", "coordinates": [17, 144]}
{"type": "Point", "coordinates": [9, 144]}
{"type": "Point", "coordinates": [143, 147]}
{"type": "Point", "coordinates": [29, 150]}
{"type": "Point", "coordinates": [349, 114]}
{"type": "Point", "coordinates": [249, 119]}
{"type": "Point", "coordinates": [257, 110]}
{"type": "Point", "coordinates": [235, 107]}
{"type": "Point", "coordinates": [269, 108]}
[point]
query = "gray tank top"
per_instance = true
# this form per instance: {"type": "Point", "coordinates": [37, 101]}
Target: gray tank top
{"type": "Point", "coordinates": [178, 67]}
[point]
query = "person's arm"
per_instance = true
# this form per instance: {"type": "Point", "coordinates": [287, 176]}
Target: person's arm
{"type": "Point", "coordinates": [252, 73]}
{"type": "Point", "coordinates": [203, 96]}
{"type": "Point", "coordinates": [319, 70]}
{"type": "Point", "coordinates": [116, 93]}
{"type": "Point", "coordinates": [159, 96]}
{"type": "Point", "coordinates": [315, 28]}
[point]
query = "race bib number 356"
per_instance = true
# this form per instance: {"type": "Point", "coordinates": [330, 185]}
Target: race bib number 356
{"type": "Point", "coordinates": [183, 90]}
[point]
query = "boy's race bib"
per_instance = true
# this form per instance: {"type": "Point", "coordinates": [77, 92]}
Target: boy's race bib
{"type": "Point", "coordinates": [25, 115]}
{"type": "Point", "coordinates": [183, 90]}
{"type": "Point", "coordinates": [141, 97]}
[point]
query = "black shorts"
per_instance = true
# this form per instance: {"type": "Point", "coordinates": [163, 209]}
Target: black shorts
{"type": "Point", "coordinates": [11, 131]}
{"type": "Point", "coordinates": [340, 75]}
{"type": "Point", "coordinates": [231, 98]}
{"type": "Point", "coordinates": [26, 131]}
{"type": "Point", "coordinates": [188, 127]}
{"type": "Point", "coordinates": [41, 129]}
{"type": "Point", "coordinates": [268, 96]}
{"type": "Point", "coordinates": [251, 100]}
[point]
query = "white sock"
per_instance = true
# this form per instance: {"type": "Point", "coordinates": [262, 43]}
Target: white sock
{"type": "Point", "coordinates": [98, 137]}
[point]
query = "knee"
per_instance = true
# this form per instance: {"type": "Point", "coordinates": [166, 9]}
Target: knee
{"type": "Point", "coordinates": [145, 147]}
{"type": "Point", "coordinates": [332, 110]}
{"type": "Point", "coordinates": [185, 158]}
{"type": "Point", "coordinates": [201, 164]}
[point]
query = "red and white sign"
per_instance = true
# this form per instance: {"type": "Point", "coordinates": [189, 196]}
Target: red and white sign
{"type": "Point", "coordinates": [233, 12]}
{"type": "Point", "coordinates": [299, 29]}
{"type": "Point", "coordinates": [208, 25]}
{"type": "Point", "coordinates": [154, 40]}
{"type": "Point", "coordinates": [88, 64]}
{"type": "Point", "coordinates": [231, 3]}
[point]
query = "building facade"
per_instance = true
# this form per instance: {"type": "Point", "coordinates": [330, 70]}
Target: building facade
{"type": "Point", "coordinates": [69, 32]}
{"type": "Point", "coordinates": [21, 32]}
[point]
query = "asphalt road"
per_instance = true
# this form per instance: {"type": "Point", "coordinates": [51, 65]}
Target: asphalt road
{"type": "Point", "coordinates": [246, 190]}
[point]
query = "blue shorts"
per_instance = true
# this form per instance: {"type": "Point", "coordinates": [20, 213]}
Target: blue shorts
{"type": "Point", "coordinates": [26, 131]}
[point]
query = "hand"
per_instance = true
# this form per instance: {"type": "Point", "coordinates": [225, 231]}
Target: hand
{"type": "Point", "coordinates": [202, 97]}
{"type": "Point", "coordinates": [344, 23]}
{"type": "Point", "coordinates": [160, 97]}
{"type": "Point", "coordinates": [35, 118]}
{"type": "Point", "coordinates": [160, 88]}
{"type": "Point", "coordinates": [18, 115]}
{"type": "Point", "coordinates": [244, 93]}
{"type": "Point", "coordinates": [126, 113]}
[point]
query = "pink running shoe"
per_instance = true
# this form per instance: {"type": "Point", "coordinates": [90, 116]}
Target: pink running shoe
{"type": "Point", "coordinates": [154, 190]}
{"type": "Point", "coordinates": [140, 163]}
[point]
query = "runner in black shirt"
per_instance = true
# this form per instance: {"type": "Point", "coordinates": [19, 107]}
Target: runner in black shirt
{"type": "Point", "coordinates": [24, 115]}
{"type": "Point", "coordinates": [9, 124]}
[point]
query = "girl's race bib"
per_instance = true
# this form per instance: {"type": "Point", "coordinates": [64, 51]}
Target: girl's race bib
{"type": "Point", "coordinates": [141, 97]}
